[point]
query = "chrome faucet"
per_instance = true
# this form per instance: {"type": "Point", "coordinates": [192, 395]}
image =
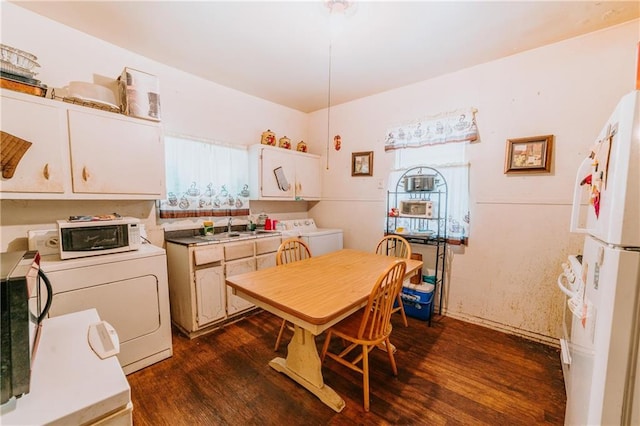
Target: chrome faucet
{"type": "Point", "coordinates": [229, 225]}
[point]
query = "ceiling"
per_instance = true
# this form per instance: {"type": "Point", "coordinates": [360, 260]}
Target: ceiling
{"type": "Point", "coordinates": [279, 50]}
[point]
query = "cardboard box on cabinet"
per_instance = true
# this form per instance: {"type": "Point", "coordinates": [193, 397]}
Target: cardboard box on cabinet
{"type": "Point", "coordinates": [139, 94]}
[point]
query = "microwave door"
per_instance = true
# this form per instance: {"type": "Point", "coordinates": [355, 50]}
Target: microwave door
{"type": "Point", "coordinates": [94, 238]}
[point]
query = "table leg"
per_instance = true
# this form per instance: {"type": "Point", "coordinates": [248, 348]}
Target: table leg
{"type": "Point", "coordinates": [303, 365]}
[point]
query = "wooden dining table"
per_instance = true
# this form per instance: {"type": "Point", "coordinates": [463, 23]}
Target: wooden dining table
{"type": "Point", "coordinates": [314, 294]}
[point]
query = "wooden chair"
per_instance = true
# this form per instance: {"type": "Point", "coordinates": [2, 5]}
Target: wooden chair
{"type": "Point", "coordinates": [290, 250]}
{"type": "Point", "coordinates": [395, 245]}
{"type": "Point", "coordinates": [369, 327]}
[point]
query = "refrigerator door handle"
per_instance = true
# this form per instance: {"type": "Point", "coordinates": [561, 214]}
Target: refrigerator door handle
{"type": "Point", "coordinates": [583, 171]}
{"type": "Point", "coordinates": [563, 288]}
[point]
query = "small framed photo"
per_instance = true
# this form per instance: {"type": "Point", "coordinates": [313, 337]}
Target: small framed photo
{"type": "Point", "coordinates": [362, 163]}
{"type": "Point", "coordinates": [531, 154]}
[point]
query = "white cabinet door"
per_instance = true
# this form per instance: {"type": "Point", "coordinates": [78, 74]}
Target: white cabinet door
{"type": "Point", "coordinates": [278, 164]}
{"type": "Point", "coordinates": [237, 304]}
{"type": "Point", "coordinates": [116, 155]}
{"type": "Point", "coordinates": [301, 174]}
{"type": "Point", "coordinates": [44, 167]}
{"type": "Point", "coordinates": [210, 302]}
{"type": "Point", "coordinates": [308, 178]}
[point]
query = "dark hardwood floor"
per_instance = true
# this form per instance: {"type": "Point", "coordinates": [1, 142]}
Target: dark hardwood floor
{"type": "Point", "coordinates": [452, 373]}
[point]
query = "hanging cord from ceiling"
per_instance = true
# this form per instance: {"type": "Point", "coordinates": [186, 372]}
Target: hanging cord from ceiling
{"type": "Point", "coordinates": [329, 109]}
{"type": "Point", "coordinates": [337, 11]}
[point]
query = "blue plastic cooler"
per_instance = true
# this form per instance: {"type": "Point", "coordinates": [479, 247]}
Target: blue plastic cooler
{"type": "Point", "coordinates": [418, 300]}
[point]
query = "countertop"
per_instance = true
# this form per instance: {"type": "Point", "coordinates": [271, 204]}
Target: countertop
{"type": "Point", "coordinates": [189, 237]}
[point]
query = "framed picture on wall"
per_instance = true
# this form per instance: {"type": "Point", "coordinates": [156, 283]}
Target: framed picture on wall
{"type": "Point", "coordinates": [362, 163]}
{"type": "Point", "coordinates": [532, 154]}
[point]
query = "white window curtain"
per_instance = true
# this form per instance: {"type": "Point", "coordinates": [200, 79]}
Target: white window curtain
{"type": "Point", "coordinates": [450, 160]}
{"type": "Point", "coordinates": [205, 179]}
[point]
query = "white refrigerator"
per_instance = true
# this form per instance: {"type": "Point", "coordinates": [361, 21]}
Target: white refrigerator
{"type": "Point", "coordinates": [602, 325]}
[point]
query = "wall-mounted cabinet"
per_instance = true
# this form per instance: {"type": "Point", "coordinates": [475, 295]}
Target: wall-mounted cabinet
{"type": "Point", "coordinates": [44, 168]}
{"type": "Point", "coordinates": [81, 153]}
{"type": "Point", "coordinates": [281, 174]}
{"type": "Point", "coordinates": [113, 154]}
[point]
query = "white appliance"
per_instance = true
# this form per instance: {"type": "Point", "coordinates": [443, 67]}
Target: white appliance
{"type": "Point", "coordinates": [70, 383]}
{"type": "Point", "coordinates": [129, 290]}
{"type": "Point", "coordinates": [602, 319]}
{"type": "Point", "coordinates": [83, 236]}
{"type": "Point", "coordinates": [416, 208]}
{"type": "Point", "coordinates": [319, 240]}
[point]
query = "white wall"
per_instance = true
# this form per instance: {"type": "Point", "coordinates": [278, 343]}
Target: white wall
{"type": "Point", "coordinates": [189, 106]}
{"type": "Point", "coordinates": [519, 234]}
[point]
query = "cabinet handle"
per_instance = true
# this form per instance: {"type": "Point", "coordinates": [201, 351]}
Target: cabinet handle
{"type": "Point", "coordinates": [85, 174]}
{"type": "Point", "coordinates": [45, 171]}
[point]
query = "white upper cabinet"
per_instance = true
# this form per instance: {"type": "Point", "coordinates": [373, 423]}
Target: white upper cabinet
{"type": "Point", "coordinates": [308, 177]}
{"type": "Point", "coordinates": [44, 166]}
{"type": "Point", "coordinates": [113, 155]}
{"type": "Point", "coordinates": [280, 174]}
{"type": "Point", "coordinates": [81, 153]}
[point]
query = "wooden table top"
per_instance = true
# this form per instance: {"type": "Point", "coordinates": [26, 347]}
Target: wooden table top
{"type": "Point", "coordinates": [320, 289]}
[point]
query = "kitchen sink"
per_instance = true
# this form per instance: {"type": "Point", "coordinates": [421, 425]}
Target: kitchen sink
{"type": "Point", "coordinates": [221, 236]}
{"type": "Point", "coordinates": [259, 232]}
{"type": "Point", "coordinates": [225, 236]}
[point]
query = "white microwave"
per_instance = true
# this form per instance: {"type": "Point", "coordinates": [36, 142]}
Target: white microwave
{"type": "Point", "coordinates": [85, 237]}
{"type": "Point", "coordinates": [416, 208]}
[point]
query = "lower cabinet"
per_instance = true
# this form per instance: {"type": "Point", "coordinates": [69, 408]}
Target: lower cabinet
{"type": "Point", "coordinates": [200, 299]}
{"type": "Point", "coordinates": [237, 304]}
{"type": "Point", "coordinates": [196, 286]}
{"type": "Point", "coordinates": [210, 301]}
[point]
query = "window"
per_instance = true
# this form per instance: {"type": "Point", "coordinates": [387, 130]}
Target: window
{"type": "Point", "coordinates": [205, 179]}
{"type": "Point", "coordinates": [439, 142]}
{"type": "Point", "coordinates": [450, 160]}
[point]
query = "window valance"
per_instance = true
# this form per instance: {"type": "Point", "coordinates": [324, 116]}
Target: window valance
{"type": "Point", "coordinates": [455, 126]}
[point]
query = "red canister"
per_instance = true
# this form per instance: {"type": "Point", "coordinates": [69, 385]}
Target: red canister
{"type": "Point", "coordinates": [267, 224]}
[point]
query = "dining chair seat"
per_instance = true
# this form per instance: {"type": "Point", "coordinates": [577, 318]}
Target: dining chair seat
{"type": "Point", "coordinates": [368, 327]}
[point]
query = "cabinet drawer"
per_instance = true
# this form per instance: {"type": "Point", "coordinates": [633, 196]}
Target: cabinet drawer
{"type": "Point", "coordinates": [238, 267]}
{"type": "Point", "coordinates": [265, 261]}
{"type": "Point", "coordinates": [267, 245]}
{"type": "Point", "coordinates": [208, 254]}
{"type": "Point", "coordinates": [239, 250]}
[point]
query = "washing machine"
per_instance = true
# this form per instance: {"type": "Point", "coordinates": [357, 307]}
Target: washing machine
{"type": "Point", "coordinates": [319, 240]}
{"type": "Point", "coordinates": [129, 290]}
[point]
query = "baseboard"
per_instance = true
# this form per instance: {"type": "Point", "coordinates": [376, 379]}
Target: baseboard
{"type": "Point", "coordinates": [536, 337]}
